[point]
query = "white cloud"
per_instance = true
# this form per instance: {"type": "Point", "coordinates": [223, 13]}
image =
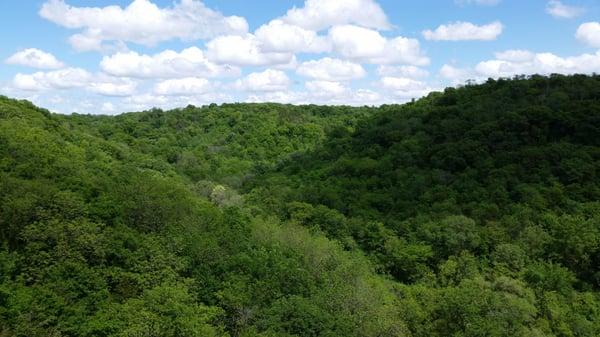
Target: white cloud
{"type": "Point", "coordinates": [167, 64]}
{"type": "Point", "coordinates": [559, 10]}
{"type": "Point", "coordinates": [357, 42]}
{"type": "Point", "coordinates": [402, 71]}
{"type": "Point", "coordinates": [541, 63]}
{"type": "Point", "coordinates": [326, 88]}
{"type": "Point", "coordinates": [147, 100]}
{"type": "Point", "coordinates": [515, 55]}
{"type": "Point", "coordinates": [59, 79]}
{"type": "Point", "coordinates": [405, 88]}
{"type": "Point", "coordinates": [464, 31]}
{"type": "Point", "coordinates": [141, 22]}
{"type": "Point", "coordinates": [589, 33]}
{"type": "Point", "coordinates": [477, 2]}
{"type": "Point", "coordinates": [329, 69]}
{"type": "Point", "coordinates": [73, 78]}
{"type": "Point", "coordinates": [56, 99]}
{"type": "Point", "coordinates": [150, 100]}
{"type": "Point", "coordinates": [243, 51]}
{"type": "Point", "coordinates": [108, 107]}
{"type": "Point", "coordinates": [327, 92]}
{"type": "Point", "coordinates": [365, 97]}
{"type": "Point", "coordinates": [528, 64]}
{"type": "Point", "coordinates": [278, 97]}
{"type": "Point", "coordinates": [317, 15]}
{"type": "Point", "coordinates": [401, 50]}
{"type": "Point", "coordinates": [183, 86]}
{"type": "Point", "coordinates": [291, 65]}
{"type": "Point", "coordinates": [456, 75]}
{"type": "Point", "coordinates": [366, 45]}
{"type": "Point", "coordinates": [89, 42]}
{"type": "Point", "coordinates": [268, 80]}
{"type": "Point", "coordinates": [35, 58]}
{"type": "Point", "coordinates": [26, 82]}
{"type": "Point", "coordinates": [401, 83]}
{"type": "Point", "coordinates": [336, 96]}
{"type": "Point", "coordinates": [113, 87]}
{"type": "Point", "coordinates": [278, 36]}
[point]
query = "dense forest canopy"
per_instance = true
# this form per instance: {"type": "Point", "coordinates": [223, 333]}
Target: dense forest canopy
{"type": "Point", "coordinates": [470, 212]}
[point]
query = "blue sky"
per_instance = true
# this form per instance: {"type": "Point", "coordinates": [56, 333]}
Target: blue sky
{"type": "Point", "coordinates": [112, 56]}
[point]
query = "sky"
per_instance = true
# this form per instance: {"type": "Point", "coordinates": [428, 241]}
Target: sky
{"type": "Point", "coordinates": [114, 56]}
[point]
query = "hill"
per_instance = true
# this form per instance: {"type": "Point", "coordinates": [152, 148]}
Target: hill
{"type": "Point", "coordinates": [472, 212]}
{"type": "Point", "coordinates": [463, 193]}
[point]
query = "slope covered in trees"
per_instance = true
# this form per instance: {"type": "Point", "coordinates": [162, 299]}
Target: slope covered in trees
{"type": "Point", "coordinates": [484, 199]}
{"type": "Point", "coordinates": [472, 212]}
{"type": "Point", "coordinates": [109, 235]}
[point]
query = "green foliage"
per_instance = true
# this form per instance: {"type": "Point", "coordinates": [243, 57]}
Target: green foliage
{"type": "Point", "coordinates": [472, 212]}
{"type": "Point", "coordinates": [461, 188]}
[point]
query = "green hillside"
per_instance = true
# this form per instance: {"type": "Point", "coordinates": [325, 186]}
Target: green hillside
{"type": "Point", "coordinates": [472, 212]}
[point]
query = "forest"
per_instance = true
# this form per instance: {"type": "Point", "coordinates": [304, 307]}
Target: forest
{"type": "Point", "coordinates": [470, 212]}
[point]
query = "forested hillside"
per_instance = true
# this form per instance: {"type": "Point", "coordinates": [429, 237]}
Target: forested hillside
{"type": "Point", "coordinates": [472, 212]}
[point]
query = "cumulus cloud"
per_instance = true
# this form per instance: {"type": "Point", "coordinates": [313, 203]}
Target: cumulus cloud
{"type": "Point", "coordinates": [147, 100]}
{"type": "Point", "coordinates": [35, 58]}
{"type": "Point", "coordinates": [72, 78]}
{"type": "Point", "coordinates": [326, 88]}
{"type": "Point", "coordinates": [268, 80]}
{"type": "Point", "coordinates": [338, 95]}
{"type": "Point", "coordinates": [328, 92]}
{"type": "Point", "coordinates": [559, 10]}
{"type": "Point", "coordinates": [183, 86]}
{"type": "Point", "coordinates": [402, 71]}
{"type": "Point", "coordinates": [278, 36]}
{"type": "Point", "coordinates": [141, 22]}
{"type": "Point", "coordinates": [167, 64]}
{"type": "Point", "coordinates": [329, 69]}
{"type": "Point", "coordinates": [317, 15]}
{"type": "Point", "coordinates": [405, 88]}
{"type": "Point", "coordinates": [401, 50]}
{"type": "Point", "coordinates": [113, 87]}
{"type": "Point", "coordinates": [364, 97]}
{"type": "Point", "coordinates": [511, 63]}
{"type": "Point", "coordinates": [400, 83]}
{"type": "Point", "coordinates": [244, 51]}
{"type": "Point", "coordinates": [347, 32]}
{"type": "Point", "coordinates": [59, 79]}
{"type": "Point", "coordinates": [456, 75]}
{"type": "Point", "coordinates": [464, 31]}
{"type": "Point", "coordinates": [108, 107]}
{"type": "Point", "coordinates": [278, 97]}
{"type": "Point", "coordinates": [541, 63]}
{"type": "Point", "coordinates": [150, 100]}
{"type": "Point", "coordinates": [515, 55]}
{"type": "Point", "coordinates": [357, 42]}
{"type": "Point", "coordinates": [367, 45]}
{"type": "Point", "coordinates": [589, 33]}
